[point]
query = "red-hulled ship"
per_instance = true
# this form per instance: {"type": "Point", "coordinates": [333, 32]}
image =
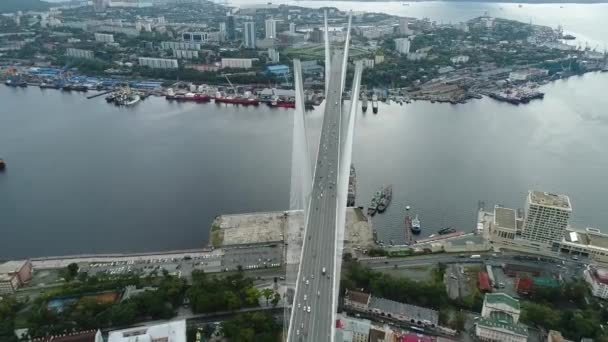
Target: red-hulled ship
{"type": "Point", "coordinates": [282, 104]}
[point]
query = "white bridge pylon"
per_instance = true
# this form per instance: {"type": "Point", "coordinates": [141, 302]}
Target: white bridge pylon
{"type": "Point", "coordinates": [302, 177]}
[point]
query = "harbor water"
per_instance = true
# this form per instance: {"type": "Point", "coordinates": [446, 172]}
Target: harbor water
{"type": "Point", "coordinates": [84, 176]}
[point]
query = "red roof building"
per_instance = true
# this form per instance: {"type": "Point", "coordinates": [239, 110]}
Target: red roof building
{"type": "Point", "coordinates": [524, 285]}
{"type": "Point", "coordinates": [483, 282]}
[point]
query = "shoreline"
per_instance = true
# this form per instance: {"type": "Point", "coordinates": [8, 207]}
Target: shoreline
{"type": "Point", "coordinates": [529, 2]}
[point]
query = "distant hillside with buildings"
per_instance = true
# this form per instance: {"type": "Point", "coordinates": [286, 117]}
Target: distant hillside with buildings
{"type": "Point", "coordinates": [8, 6]}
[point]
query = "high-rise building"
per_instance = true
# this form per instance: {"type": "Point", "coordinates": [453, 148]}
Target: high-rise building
{"type": "Point", "coordinates": [100, 5]}
{"type": "Point", "coordinates": [547, 217]}
{"type": "Point", "coordinates": [404, 27]}
{"type": "Point", "coordinates": [230, 32]}
{"type": "Point", "coordinates": [223, 28]}
{"type": "Point", "coordinates": [292, 27]}
{"type": "Point", "coordinates": [273, 55]}
{"type": "Point", "coordinates": [249, 35]}
{"type": "Point", "coordinates": [316, 36]}
{"type": "Point", "coordinates": [402, 45]}
{"type": "Point", "coordinates": [271, 28]}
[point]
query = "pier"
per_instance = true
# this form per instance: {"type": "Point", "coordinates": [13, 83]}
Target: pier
{"type": "Point", "coordinates": [99, 94]}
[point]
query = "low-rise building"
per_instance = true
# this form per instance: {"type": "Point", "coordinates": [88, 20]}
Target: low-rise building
{"type": "Point", "coordinates": [279, 70]}
{"type": "Point", "coordinates": [501, 302]}
{"type": "Point", "coordinates": [185, 54]}
{"type": "Point", "coordinates": [311, 67]}
{"type": "Point", "coordinates": [79, 53]}
{"type": "Point", "coordinates": [80, 336]}
{"type": "Point", "coordinates": [357, 300]}
{"type": "Point", "coordinates": [174, 331]}
{"type": "Point", "coordinates": [403, 312]}
{"type": "Point", "coordinates": [104, 37]}
{"type": "Point", "coordinates": [14, 274]}
{"type": "Point", "coordinates": [180, 46]}
{"type": "Point", "coordinates": [499, 320]}
{"type": "Point", "coordinates": [357, 329]}
{"type": "Point", "coordinates": [237, 63]}
{"type": "Point", "coordinates": [597, 278]}
{"type": "Point", "coordinates": [158, 63]}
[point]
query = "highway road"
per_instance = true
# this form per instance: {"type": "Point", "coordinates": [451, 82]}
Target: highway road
{"type": "Point", "coordinates": [312, 316]}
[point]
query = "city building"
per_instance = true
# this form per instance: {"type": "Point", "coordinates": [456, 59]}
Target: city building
{"type": "Point", "coordinates": [237, 63]}
{"type": "Point", "coordinates": [379, 59]}
{"type": "Point", "coordinates": [100, 5]}
{"type": "Point", "coordinates": [316, 36]}
{"type": "Point", "coordinates": [403, 312]}
{"type": "Point", "coordinates": [14, 274]}
{"type": "Point", "coordinates": [185, 54]}
{"type": "Point", "coordinates": [180, 46]}
{"type": "Point", "coordinates": [501, 302]}
{"type": "Point", "coordinates": [499, 319]}
{"type": "Point", "coordinates": [131, 3]}
{"type": "Point", "coordinates": [279, 70]}
{"type": "Point", "coordinates": [195, 37]}
{"type": "Point", "coordinates": [357, 329]}
{"type": "Point", "coordinates": [249, 35]}
{"type": "Point", "coordinates": [223, 28]}
{"type": "Point", "coordinates": [357, 300]}
{"type": "Point", "coordinates": [271, 28]}
{"type": "Point", "coordinates": [461, 59]}
{"type": "Point", "coordinates": [230, 27]}
{"type": "Point", "coordinates": [556, 336]}
{"type": "Point", "coordinates": [546, 217]}
{"type": "Point", "coordinates": [404, 27]}
{"type": "Point", "coordinates": [104, 37]}
{"type": "Point", "coordinates": [368, 63]}
{"type": "Point", "coordinates": [79, 53]}
{"type": "Point", "coordinates": [273, 55]}
{"type": "Point", "coordinates": [174, 331]}
{"type": "Point", "coordinates": [402, 45]}
{"type": "Point", "coordinates": [292, 27]}
{"type": "Point", "coordinates": [588, 243]}
{"type": "Point", "coordinates": [504, 226]}
{"type": "Point", "coordinates": [597, 278]}
{"type": "Point", "coordinates": [158, 63]}
{"type": "Point", "coordinates": [311, 67]}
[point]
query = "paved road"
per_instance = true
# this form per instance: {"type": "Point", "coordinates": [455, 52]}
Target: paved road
{"type": "Point", "coordinates": [314, 288]}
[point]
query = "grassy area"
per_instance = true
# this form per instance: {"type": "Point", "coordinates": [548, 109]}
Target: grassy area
{"type": "Point", "coordinates": [216, 236]}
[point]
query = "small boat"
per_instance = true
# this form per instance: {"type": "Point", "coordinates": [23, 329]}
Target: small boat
{"type": "Point", "coordinates": [407, 207]}
{"type": "Point", "coordinates": [375, 103]}
{"type": "Point", "coordinates": [416, 225]}
{"type": "Point", "coordinates": [448, 230]}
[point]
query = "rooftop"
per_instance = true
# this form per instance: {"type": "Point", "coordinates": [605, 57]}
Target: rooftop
{"type": "Point", "coordinates": [359, 297]}
{"type": "Point", "coordinates": [514, 328]}
{"type": "Point", "coordinates": [12, 266]}
{"type": "Point", "coordinates": [548, 199]}
{"type": "Point", "coordinates": [82, 336]}
{"type": "Point", "coordinates": [415, 312]}
{"type": "Point", "coordinates": [501, 298]}
{"type": "Point", "coordinates": [174, 331]}
{"type": "Point", "coordinates": [505, 217]}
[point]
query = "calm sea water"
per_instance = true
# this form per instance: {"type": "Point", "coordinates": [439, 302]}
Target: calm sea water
{"type": "Point", "coordinates": [84, 176]}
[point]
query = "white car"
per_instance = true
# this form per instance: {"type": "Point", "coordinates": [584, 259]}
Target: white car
{"type": "Point", "coordinates": [299, 305]}
{"type": "Point", "coordinates": [305, 297]}
{"type": "Point", "coordinates": [308, 309]}
{"type": "Point", "coordinates": [307, 282]}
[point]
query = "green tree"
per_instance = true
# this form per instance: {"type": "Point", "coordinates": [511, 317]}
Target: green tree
{"type": "Point", "coordinates": [72, 271]}
{"type": "Point", "coordinates": [267, 293]}
{"type": "Point", "coordinates": [459, 321]}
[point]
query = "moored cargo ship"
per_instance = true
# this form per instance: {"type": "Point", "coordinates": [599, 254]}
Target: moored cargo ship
{"type": "Point", "coordinates": [387, 196]}
{"type": "Point", "coordinates": [373, 207]}
{"type": "Point", "coordinates": [416, 229]}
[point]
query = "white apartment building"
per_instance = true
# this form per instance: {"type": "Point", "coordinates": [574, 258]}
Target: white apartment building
{"type": "Point", "coordinates": [597, 278]}
{"type": "Point", "coordinates": [239, 63]}
{"type": "Point", "coordinates": [185, 54]}
{"type": "Point", "coordinates": [79, 53]}
{"type": "Point", "coordinates": [180, 46]}
{"type": "Point", "coordinates": [546, 217]}
{"type": "Point", "coordinates": [271, 28]}
{"type": "Point", "coordinates": [104, 37]}
{"type": "Point", "coordinates": [174, 331]}
{"type": "Point", "coordinates": [403, 45]}
{"type": "Point", "coordinates": [158, 63]}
